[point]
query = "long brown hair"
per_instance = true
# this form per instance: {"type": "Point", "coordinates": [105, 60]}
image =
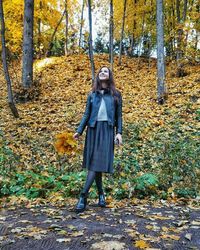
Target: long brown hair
{"type": "Point", "coordinates": [110, 82]}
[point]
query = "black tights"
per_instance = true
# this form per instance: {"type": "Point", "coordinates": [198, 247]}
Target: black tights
{"type": "Point", "coordinates": [91, 176]}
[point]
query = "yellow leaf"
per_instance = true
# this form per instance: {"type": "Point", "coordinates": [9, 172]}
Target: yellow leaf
{"type": "Point", "coordinates": [122, 174]}
{"type": "Point", "coordinates": [65, 143]}
{"type": "Point", "coordinates": [165, 229]}
{"type": "Point", "coordinates": [170, 236]}
{"type": "Point", "coordinates": [125, 186]}
{"type": "Point", "coordinates": [141, 244]}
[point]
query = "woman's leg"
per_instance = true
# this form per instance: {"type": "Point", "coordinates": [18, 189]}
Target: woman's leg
{"type": "Point", "coordinates": [82, 202]}
{"type": "Point", "coordinates": [98, 180]}
{"type": "Point", "coordinates": [90, 178]}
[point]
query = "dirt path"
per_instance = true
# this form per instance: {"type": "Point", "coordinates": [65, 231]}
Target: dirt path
{"type": "Point", "coordinates": [135, 225]}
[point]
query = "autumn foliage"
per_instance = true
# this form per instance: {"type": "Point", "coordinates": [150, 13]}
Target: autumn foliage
{"type": "Point", "coordinates": [160, 153]}
{"type": "Point", "coordinates": [65, 143]}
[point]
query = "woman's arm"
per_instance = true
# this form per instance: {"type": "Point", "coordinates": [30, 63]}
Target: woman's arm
{"type": "Point", "coordinates": [118, 118]}
{"type": "Point", "coordinates": [119, 115]}
{"type": "Point", "coordinates": [85, 117]}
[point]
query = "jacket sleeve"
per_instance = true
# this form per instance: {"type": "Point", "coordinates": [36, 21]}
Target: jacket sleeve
{"type": "Point", "coordinates": [85, 117]}
{"type": "Point", "coordinates": [119, 115]}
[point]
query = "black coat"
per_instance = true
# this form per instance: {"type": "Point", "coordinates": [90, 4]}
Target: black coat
{"type": "Point", "coordinates": [113, 107]}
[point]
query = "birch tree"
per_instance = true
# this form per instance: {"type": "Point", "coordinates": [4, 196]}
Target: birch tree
{"type": "Point", "coordinates": [81, 27]}
{"type": "Point", "coordinates": [111, 35]}
{"type": "Point", "coordinates": [122, 33]}
{"type": "Point", "coordinates": [27, 69]}
{"type": "Point", "coordinates": [66, 27]}
{"type": "Point", "coordinates": [181, 21]}
{"type": "Point", "coordinates": [160, 53]}
{"type": "Point", "coordinates": [90, 40]}
{"type": "Point", "coordinates": [5, 65]}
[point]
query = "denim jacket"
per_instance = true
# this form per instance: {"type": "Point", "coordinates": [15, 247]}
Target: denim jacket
{"type": "Point", "coordinates": [114, 110]}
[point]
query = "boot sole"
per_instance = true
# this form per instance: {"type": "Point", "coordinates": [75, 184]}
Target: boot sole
{"type": "Point", "coordinates": [102, 205]}
{"type": "Point", "coordinates": [80, 210]}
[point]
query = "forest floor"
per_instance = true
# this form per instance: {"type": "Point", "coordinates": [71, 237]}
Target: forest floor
{"type": "Point", "coordinates": [48, 108]}
{"type": "Point", "coordinates": [129, 224]}
{"type": "Point", "coordinates": [61, 84]}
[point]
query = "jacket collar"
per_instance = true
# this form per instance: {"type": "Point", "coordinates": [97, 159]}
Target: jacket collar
{"type": "Point", "coordinates": [106, 90]}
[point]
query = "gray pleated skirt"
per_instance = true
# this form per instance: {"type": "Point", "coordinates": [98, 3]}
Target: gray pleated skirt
{"type": "Point", "coordinates": [99, 148]}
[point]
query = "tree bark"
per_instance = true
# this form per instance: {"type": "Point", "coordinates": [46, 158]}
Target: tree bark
{"type": "Point", "coordinates": [81, 27]}
{"type": "Point", "coordinates": [173, 41]}
{"type": "Point", "coordinates": [5, 66]}
{"type": "Point", "coordinates": [171, 27]}
{"type": "Point", "coordinates": [196, 40]}
{"type": "Point", "coordinates": [39, 32]}
{"type": "Point", "coordinates": [161, 92]}
{"type": "Point", "coordinates": [197, 33]}
{"type": "Point", "coordinates": [134, 29]}
{"type": "Point", "coordinates": [185, 10]}
{"type": "Point", "coordinates": [150, 39]}
{"type": "Point", "coordinates": [184, 19]}
{"type": "Point", "coordinates": [122, 33]}
{"type": "Point", "coordinates": [66, 27]}
{"type": "Point", "coordinates": [180, 45]}
{"type": "Point", "coordinates": [90, 41]}
{"type": "Point", "coordinates": [111, 36]}
{"type": "Point", "coordinates": [142, 36]}
{"type": "Point", "coordinates": [27, 69]}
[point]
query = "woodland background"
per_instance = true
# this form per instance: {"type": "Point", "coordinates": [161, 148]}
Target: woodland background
{"type": "Point", "coordinates": [160, 153]}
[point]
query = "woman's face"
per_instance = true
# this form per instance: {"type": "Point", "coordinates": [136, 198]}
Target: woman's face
{"type": "Point", "coordinates": [104, 74]}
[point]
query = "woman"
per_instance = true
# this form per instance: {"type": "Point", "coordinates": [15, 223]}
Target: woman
{"type": "Point", "coordinates": [103, 113]}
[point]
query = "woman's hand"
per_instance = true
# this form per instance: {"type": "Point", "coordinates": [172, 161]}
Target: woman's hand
{"type": "Point", "coordinates": [76, 136]}
{"type": "Point", "coordinates": [119, 138]}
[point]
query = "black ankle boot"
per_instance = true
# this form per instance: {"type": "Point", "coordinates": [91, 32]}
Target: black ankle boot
{"type": "Point", "coordinates": [82, 202]}
{"type": "Point", "coordinates": [102, 201]}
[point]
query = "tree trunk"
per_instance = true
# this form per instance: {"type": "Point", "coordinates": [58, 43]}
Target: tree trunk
{"type": "Point", "coordinates": [66, 27]}
{"type": "Point", "coordinates": [185, 10]}
{"type": "Point", "coordinates": [134, 28]}
{"type": "Point", "coordinates": [122, 33]}
{"type": "Point", "coordinates": [180, 45]}
{"type": "Point", "coordinates": [161, 92]}
{"type": "Point", "coordinates": [53, 35]}
{"type": "Point", "coordinates": [81, 27]}
{"type": "Point", "coordinates": [111, 35]}
{"type": "Point", "coordinates": [197, 33]}
{"type": "Point", "coordinates": [174, 30]}
{"type": "Point", "coordinates": [90, 41]}
{"type": "Point", "coordinates": [196, 40]}
{"type": "Point", "coordinates": [150, 40]}
{"type": "Point", "coordinates": [5, 66]}
{"type": "Point", "coordinates": [142, 35]}
{"type": "Point", "coordinates": [170, 30]}
{"type": "Point", "coordinates": [184, 19]}
{"type": "Point", "coordinates": [132, 44]}
{"type": "Point", "coordinates": [39, 32]}
{"type": "Point", "coordinates": [178, 52]}
{"type": "Point", "coordinates": [27, 69]}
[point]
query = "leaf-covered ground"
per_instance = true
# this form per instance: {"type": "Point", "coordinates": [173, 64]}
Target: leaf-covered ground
{"type": "Point", "coordinates": [128, 224]}
{"type": "Point", "coordinates": [57, 100]}
{"type": "Point", "coordinates": [55, 104]}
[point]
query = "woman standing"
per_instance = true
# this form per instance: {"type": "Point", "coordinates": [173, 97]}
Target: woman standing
{"type": "Point", "coordinates": [103, 113]}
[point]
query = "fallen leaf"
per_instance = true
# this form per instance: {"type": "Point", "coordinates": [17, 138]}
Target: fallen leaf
{"type": "Point", "coordinates": [170, 236]}
{"type": "Point", "coordinates": [63, 240]}
{"type": "Point", "coordinates": [141, 244]}
{"type": "Point", "coordinates": [188, 236]}
{"type": "Point", "coordinates": [108, 245]}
